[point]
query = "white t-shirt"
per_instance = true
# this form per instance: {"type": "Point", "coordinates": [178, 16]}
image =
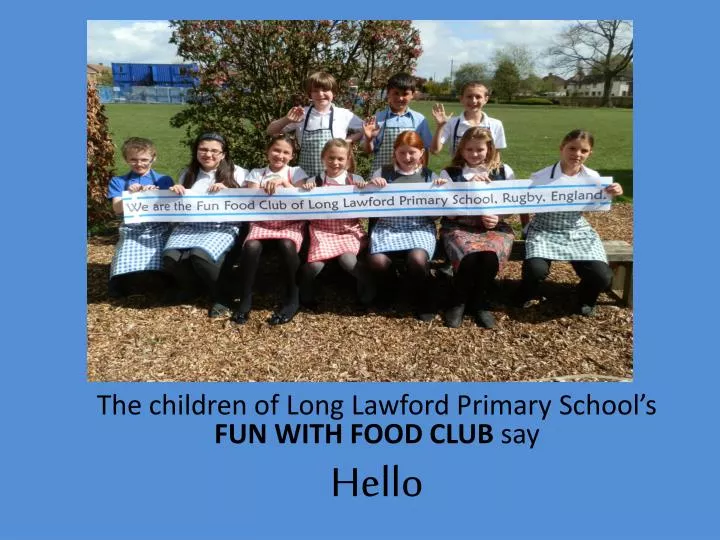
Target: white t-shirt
{"type": "Point", "coordinates": [341, 179]}
{"type": "Point", "coordinates": [205, 179]}
{"type": "Point", "coordinates": [469, 172]}
{"type": "Point", "coordinates": [546, 173]}
{"type": "Point", "coordinates": [343, 119]}
{"type": "Point", "coordinates": [493, 124]}
{"type": "Point", "coordinates": [262, 175]}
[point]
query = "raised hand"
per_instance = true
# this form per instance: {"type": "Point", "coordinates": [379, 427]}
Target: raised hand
{"type": "Point", "coordinates": [438, 112]}
{"type": "Point", "coordinates": [295, 114]}
{"type": "Point", "coordinates": [370, 128]}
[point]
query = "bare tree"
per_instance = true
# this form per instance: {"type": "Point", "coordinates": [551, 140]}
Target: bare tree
{"type": "Point", "coordinates": [602, 47]}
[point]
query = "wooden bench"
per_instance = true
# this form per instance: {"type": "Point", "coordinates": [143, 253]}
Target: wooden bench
{"type": "Point", "coordinates": [620, 258]}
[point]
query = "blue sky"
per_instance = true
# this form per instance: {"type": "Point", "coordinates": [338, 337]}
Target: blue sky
{"type": "Point", "coordinates": [461, 41]}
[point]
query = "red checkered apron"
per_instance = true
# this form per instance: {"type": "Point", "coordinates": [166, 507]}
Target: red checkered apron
{"type": "Point", "coordinates": [330, 238]}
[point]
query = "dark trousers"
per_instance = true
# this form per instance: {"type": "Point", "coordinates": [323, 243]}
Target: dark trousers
{"type": "Point", "coordinates": [595, 277]}
{"type": "Point", "coordinates": [188, 266]}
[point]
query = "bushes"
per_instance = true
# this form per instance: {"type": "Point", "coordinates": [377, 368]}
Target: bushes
{"type": "Point", "coordinates": [100, 158]}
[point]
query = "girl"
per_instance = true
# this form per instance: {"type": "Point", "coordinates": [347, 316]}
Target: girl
{"type": "Point", "coordinates": [477, 245]}
{"type": "Point", "coordinates": [318, 123]}
{"type": "Point", "coordinates": [413, 238]}
{"type": "Point", "coordinates": [139, 247]}
{"type": "Point", "coordinates": [339, 239]}
{"type": "Point", "coordinates": [198, 250]}
{"type": "Point", "coordinates": [289, 234]}
{"type": "Point", "coordinates": [567, 236]}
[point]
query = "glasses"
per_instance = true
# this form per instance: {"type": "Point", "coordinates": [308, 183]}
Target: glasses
{"type": "Point", "coordinates": [139, 161]}
{"type": "Point", "coordinates": [211, 151]}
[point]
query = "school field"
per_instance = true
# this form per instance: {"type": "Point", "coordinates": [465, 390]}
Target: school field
{"type": "Point", "coordinates": [142, 338]}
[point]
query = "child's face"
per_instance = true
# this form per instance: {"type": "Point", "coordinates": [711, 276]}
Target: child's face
{"type": "Point", "coordinates": [575, 152]}
{"type": "Point", "coordinates": [475, 153]}
{"type": "Point", "coordinates": [210, 154]}
{"type": "Point", "coordinates": [321, 98]}
{"type": "Point", "coordinates": [474, 98]}
{"type": "Point", "coordinates": [140, 161]}
{"type": "Point", "coordinates": [398, 100]}
{"type": "Point", "coordinates": [408, 158]}
{"type": "Point", "coordinates": [335, 160]}
{"type": "Point", "coordinates": [279, 155]}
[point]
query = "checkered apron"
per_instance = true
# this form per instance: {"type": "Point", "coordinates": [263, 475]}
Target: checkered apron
{"type": "Point", "coordinates": [456, 138]}
{"type": "Point", "coordinates": [213, 238]}
{"type": "Point", "coordinates": [385, 141]}
{"type": "Point", "coordinates": [139, 248]}
{"type": "Point", "coordinates": [563, 236]}
{"type": "Point", "coordinates": [311, 145]}
{"type": "Point", "coordinates": [330, 238]}
{"type": "Point", "coordinates": [276, 229]}
{"type": "Point", "coordinates": [400, 233]}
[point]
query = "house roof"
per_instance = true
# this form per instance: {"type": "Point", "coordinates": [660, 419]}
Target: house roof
{"type": "Point", "coordinates": [97, 68]}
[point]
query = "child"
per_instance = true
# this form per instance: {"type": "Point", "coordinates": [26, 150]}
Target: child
{"type": "Point", "coordinates": [322, 121]}
{"type": "Point", "coordinates": [473, 95]}
{"type": "Point", "coordinates": [477, 245]}
{"type": "Point", "coordinates": [339, 239]}
{"type": "Point", "coordinates": [567, 236]}
{"type": "Point", "coordinates": [198, 250]}
{"type": "Point", "coordinates": [411, 237]}
{"type": "Point", "coordinates": [289, 234]}
{"type": "Point", "coordinates": [382, 129]}
{"type": "Point", "coordinates": [139, 247]}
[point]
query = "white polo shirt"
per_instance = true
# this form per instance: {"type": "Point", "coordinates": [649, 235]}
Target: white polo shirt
{"type": "Point", "coordinates": [493, 124]}
{"type": "Point", "coordinates": [343, 119]}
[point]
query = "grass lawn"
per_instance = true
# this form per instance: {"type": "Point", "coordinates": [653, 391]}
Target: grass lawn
{"type": "Point", "coordinates": [533, 134]}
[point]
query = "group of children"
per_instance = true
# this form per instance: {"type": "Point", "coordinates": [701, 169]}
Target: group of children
{"type": "Point", "coordinates": [194, 254]}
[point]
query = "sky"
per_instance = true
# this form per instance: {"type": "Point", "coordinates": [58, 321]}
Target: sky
{"type": "Point", "coordinates": [443, 41]}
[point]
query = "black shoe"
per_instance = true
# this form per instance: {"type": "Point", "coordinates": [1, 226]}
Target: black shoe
{"type": "Point", "coordinates": [310, 305]}
{"type": "Point", "coordinates": [115, 289]}
{"type": "Point", "coordinates": [454, 316]}
{"type": "Point", "coordinates": [240, 317]}
{"type": "Point", "coordinates": [484, 318]}
{"type": "Point", "coordinates": [587, 311]}
{"type": "Point", "coordinates": [218, 309]}
{"type": "Point", "coordinates": [424, 313]}
{"type": "Point", "coordinates": [280, 318]}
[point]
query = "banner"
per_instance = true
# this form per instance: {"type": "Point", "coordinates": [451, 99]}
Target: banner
{"type": "Point", "coordinates": [339, 202]}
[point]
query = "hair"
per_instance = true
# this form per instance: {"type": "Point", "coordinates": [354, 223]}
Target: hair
{"type": "Point", "coordinates": [138, 144]}
{"type": "Point", "coordinates": [475, 133]}
{"type": "Point", "coordinates": [408, 138]}
{"type": "Point", "coordinates": [225, 172]}
{"type": "Point", "coordinates": [578, 134]}
{"type": "Point", "coordinates": [322, 81]}
{"type": "Point", "coordinates": [282, 137]}
{"type": "Point", "coordinates": [470, 84]}
{"type": "Point", "coordinates": [402, 81]}
{"type": "Point", "coordinates": [340, 143]}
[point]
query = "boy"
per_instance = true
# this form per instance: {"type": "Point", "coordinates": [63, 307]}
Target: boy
{"type": "Point", "coordinates": [382, 129]}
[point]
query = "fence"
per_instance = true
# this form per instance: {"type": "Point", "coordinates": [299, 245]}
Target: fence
{"type": "Point", "coordinates": [145, 94]}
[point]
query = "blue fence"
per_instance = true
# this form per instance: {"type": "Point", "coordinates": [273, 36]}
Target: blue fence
{"type": "Point", "coordinates": [145, 94]}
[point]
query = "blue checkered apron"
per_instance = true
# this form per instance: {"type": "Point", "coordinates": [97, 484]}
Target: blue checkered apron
{"type": "Point", "coordinates": [396, 233]}
{"type": "Point", "coordinates": [563, 236]}
{"type": "Point", "coordinates": [311, 145]}
{"type": "Point", "coordinates": [385, 141]}
{"type": "Point", "coordinates": [139, 248]}
{"type": "Point", "coordinates": [213, 238]}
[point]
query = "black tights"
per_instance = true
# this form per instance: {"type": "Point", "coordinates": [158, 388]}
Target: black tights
{"type": "Point", "coordinates": [595, 277]}
{"type": "Point", "coordinates": [416, 263]}
{"type": "Point", "coordinates": [475, 276]}
{"type": "Point", "coordinates": [188, 265]}
{"type": "Point", "coordinates": [249, 262]}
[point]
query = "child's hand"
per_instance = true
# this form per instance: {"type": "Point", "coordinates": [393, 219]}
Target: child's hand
{"type": "Point", "coordinates": [438, 112]}
{"type": "Point", "coordinates": [217, 186]}
{"type": "Point", "coordinates": [272, 185]}
{"type": "Point", "coordinates": [481, 177]}
{"type": "Point", "coordinates": [178, 189]}
{"type": "Point", "coordinates": [295, 114]}
{"type": "Point", "coordinates": [370, 128]}
{"type": "Point", "coordinates": [134, 187]}
{"type": "Point", "coordinates": [614, 189]}
{"type": "Point", "coordinates": [360, 183]}
{"type": "Point", "coordinates": [151, 187]}
{"type": "Point", "coordinates": [440, 181]}
{"type": "Point", "coordinates": [379, 182]}
{"type": "Point", "coordinates": [489, 222]}
{"type": "Point", "coordinates": [308, 184]}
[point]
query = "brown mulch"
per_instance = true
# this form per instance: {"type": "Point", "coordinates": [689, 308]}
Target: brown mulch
{"type": "Point", "coordinates": [141, 339]}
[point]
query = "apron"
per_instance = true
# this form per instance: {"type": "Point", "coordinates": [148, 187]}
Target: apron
{"type": "Point", "coordinates": [563, 236]}
{"type": "Point", "coordinates": [277, 229]}
{"type": "Point", "coordinates": [456, 138]}
{"type": "Point", "coordinates": [139, 248]}
{"type": "Point", "coordinates": [213, 238]}
{"type": "Point", "coordinates": [385, 141]}
{"type": "Point", "coordinates": [401, 233]}
{"type": "Point", "coordinates": [311, 145]}
{"type": "Point", "coordinates": [467, 234]}
{"type": "Point", "coordinates": [330, 238]}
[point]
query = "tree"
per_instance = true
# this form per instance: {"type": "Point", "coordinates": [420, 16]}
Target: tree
{"type": "Point", "coordinates": [438, 89]}
{"type": "Point", "coordinates": [253, 71]}
{"type": "Point", "coordinates": [100, 159]}
{"type": "Point", "coordinates": [468, 72]}
{"type": "Point", "coordinates": [506, 82]}
{"type": "Point", "coordinates": [604, 47]}
{"type": "Point", "coordinates": [520, 55]}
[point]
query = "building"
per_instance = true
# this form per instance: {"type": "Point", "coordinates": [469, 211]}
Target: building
{"type": "Point", "coordinates": [586, 86]}
{"type": "Point", "coordinates": [95, 72]}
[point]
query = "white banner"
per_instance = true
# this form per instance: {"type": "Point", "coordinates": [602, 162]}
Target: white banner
{"type": "Point", "coordinates": [423, 199]}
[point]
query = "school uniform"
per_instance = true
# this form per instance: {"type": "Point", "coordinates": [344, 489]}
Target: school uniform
{"type": "Point", "coordinates": [467, 234]}
{"type": "Point", "coordinates": [276, 229]}
{"type": "Point", "coordinates": [316, 129]}
{"type": "Point", "coordinates": [214, 239]}
{"type": "Point", "coordinates": [391, 125]}
{"type": "Point", "coordinates": [330, 238]}
{"type": "Point", "coordinates": [456, 128]}
{"type": "Point", "coordinates": [140, 245]}
{"type": "Point", "coordinates": [401, 233]}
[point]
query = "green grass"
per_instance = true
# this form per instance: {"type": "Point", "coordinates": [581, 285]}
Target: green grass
{"type": "Point", "coordinates": [533, 134]}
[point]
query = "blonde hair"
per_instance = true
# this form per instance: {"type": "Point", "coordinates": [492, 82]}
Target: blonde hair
{"type": "Point", "coordinates": [340, 143]}
{"type": "Point", "coordinates": [321, 80]}
{"type": "Point", "coordinates": [138, 144]}
{"type": "Point", "coordinates": [471, 84]}
{"type": "Point", "coordinates": [492, 161]}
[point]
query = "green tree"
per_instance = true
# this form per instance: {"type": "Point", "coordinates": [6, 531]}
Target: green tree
{"type": "Point", "coordinates": [520, 55]}
{"type": "Point", "coordinates": [506, 82]}
{"type": "Point", "coordinates": [469, 72]}
{"type": "Point", "coordinates": [438, 89]}
{"type": "Point", "coordinates": [251, 72]}
{"type": "Point", "coordinates": [100, 158]}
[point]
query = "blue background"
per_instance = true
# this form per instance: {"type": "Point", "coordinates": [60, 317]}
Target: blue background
{"type": "Point", "coordinates": [68, 472]}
